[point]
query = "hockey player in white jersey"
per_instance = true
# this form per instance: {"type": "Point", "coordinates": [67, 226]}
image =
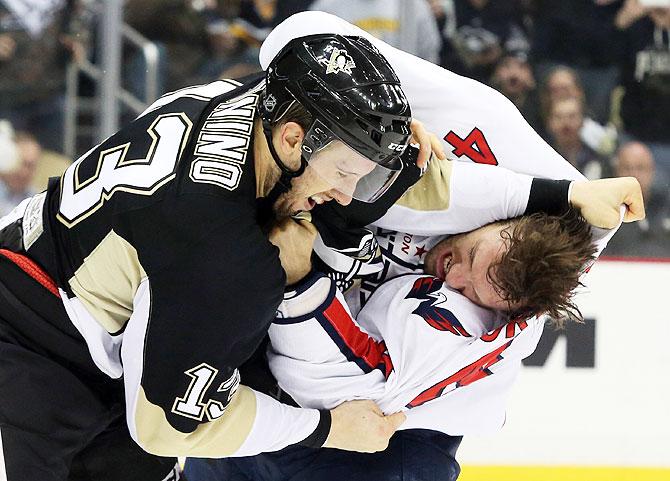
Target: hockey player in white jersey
{"type": "Point", "coordinates": [417, 346]}
{"type": "Point", "coordinates": [422, 347]}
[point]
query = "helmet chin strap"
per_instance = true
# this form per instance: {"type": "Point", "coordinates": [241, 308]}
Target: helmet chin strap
{"type": "Point", "coordinates": [283, 185]}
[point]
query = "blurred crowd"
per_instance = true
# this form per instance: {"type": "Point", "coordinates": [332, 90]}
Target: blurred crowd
{"type": "Point", "coordinates": [591, 76]}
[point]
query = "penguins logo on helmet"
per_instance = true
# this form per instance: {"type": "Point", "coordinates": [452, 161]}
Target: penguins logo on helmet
{"type": "Point", "coordinates": [270, 103]}
{"type": "Point", "coordinates": [340, 61]}
{"type": "Point", "coordinates": [359, 113]}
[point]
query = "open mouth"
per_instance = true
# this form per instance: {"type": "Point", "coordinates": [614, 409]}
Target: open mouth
{"type": "Point", "coordinates": [319, 199]}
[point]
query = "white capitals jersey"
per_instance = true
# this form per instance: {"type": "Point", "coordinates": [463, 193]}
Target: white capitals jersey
{"type": "Point", "coordinates": [417, 346]}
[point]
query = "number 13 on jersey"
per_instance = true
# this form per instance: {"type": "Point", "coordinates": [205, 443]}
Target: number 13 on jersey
{"type": "Point", "coordinates": [113, 172]}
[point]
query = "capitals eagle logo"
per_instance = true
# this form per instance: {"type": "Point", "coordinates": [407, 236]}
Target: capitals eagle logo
{"type": "Point", "coordinates": [440, 318]}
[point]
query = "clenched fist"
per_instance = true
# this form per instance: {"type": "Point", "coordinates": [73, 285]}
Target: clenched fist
{"type": "Point", "coordinates": [294, 236]}
{"type": "Point", "coordinates": [361, 426]}
{"type": "Point", "coordinates": [599, 200]}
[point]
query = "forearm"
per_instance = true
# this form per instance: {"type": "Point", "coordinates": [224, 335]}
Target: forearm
{"type": "Point", "coordinates": [253, 423]}
{"type": "Point", "coordinates": [455, 197]}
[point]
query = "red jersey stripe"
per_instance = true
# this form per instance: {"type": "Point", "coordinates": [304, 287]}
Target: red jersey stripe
{"type": "Point", "coordinates": [362, 346]}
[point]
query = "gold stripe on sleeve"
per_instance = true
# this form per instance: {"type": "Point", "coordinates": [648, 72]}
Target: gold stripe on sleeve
{"type": "Point", "coordinates": [431, 192]}
{"type": "Point", "coordinates": [107, 280]}
{"type": "Point", "coordinates": [215, 439]}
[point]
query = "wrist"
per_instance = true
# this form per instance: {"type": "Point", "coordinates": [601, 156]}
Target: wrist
{"type": "Point", "coordinates": [626, 18]}
{"type": "Point", "coordinates": [320, 434]}
{"type": "Point", "coordinates": [549, 197]}
{"type": "Point", "coordinates": [298, 277]}
{"type": "Point", "coordinates": [576, 195]}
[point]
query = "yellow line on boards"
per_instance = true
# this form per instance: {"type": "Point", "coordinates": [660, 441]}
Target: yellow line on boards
{"type": "Point", "coordinates": [561, 473]}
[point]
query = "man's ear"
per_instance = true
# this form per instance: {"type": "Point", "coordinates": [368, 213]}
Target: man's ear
{"type": "Point", "coordinates": [288, 142]}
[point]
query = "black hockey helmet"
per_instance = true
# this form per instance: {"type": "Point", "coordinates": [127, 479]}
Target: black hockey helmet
{"type": "Point", "coordinates": [353, 96]}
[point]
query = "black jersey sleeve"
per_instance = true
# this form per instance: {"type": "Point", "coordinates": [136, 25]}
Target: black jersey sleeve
{"type": "Point", "coordinates": [195, 320]}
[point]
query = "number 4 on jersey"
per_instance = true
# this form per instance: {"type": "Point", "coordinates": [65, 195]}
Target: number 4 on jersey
{"type": "Point", "coordinates": [474, 146]}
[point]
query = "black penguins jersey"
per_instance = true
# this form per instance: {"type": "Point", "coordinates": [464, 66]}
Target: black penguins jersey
{"type": "Point", "coordinates": [162, 267]}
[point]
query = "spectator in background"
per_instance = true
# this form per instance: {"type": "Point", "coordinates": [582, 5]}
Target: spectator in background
{"type": "Point", "coordinates": [445, 17]}
{"type": "Point", "coordinates": [24, 166]}
{"type": "Point", "coordinates": [564, 121]}
{"type": "Point", "coordinates": [47, 163]}
{"type": "Point", "coordinates": [645, 108]}
{"type": "Point", "coordinates": [16, 184]}
{"type": "Point", "coordinates": [285, 8]}
{"type": "Point", "coordinates": [234, 52]}
{"type": "Point", "coordinates": [479, 32]}
{"type": "Point", "coordinates": [649, 237]}
{"type": "Point", "coordinates": [579, 33]}
{"type": "Point", "coordinates": [8, 152]}
{"type": "Point", "coordinates": [563, 82]}
{"type": "Point", "coordinates": [406, 24]}
{"type": "Point", "coordinates": [200, 41]}
{"type": "Point", "coordinates": [36, 40]}
{"type": "Point", "coordinates": [513, 77]}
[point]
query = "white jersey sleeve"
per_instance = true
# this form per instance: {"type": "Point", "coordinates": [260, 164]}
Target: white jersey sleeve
{"type": "Point", "coordinates": [319, 354]}
{"type": "Point", "coordinates": [490, 128]}
{"type": "Point", "coordinates": [456, 197]}
{"type": "Point", "coordinates": [417, 346]}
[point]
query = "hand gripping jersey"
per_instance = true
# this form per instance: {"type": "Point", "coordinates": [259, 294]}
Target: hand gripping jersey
{"type": "Point", "coordinates": [416, 346]}
{"type": "Point", "coordinates": [153, 241]}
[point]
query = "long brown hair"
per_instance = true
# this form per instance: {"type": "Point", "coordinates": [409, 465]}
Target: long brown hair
{"type": "Point", "coordinates": [544, 259]}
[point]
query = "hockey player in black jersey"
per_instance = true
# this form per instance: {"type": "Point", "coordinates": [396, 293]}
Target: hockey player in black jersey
{"type": "Point", "coordinates": [137, 284]}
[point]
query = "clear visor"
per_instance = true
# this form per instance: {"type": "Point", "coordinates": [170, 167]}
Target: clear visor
{"type": "Point", "coordinates": [344, 169]}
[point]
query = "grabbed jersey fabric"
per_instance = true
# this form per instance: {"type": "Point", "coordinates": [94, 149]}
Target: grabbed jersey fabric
{"type": "Point", "coordinates": [416, 346]}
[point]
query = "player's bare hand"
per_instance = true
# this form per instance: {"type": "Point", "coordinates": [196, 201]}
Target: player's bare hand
{"type": "Point", "coordinates": [428, 143]}
{"type": "Point", "coordinates": [361, 426]}
{"type": "Point", "coordinates": [294, 236]}
{"type": "Point", "coordinates": [599, 200]}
